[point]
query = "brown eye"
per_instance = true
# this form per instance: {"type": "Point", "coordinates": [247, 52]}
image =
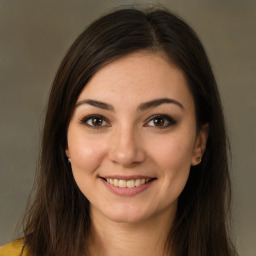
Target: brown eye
{"type": "Point", "coordinates": [95, 121]}
{"type": "Point", "coordinates": [159, 121]}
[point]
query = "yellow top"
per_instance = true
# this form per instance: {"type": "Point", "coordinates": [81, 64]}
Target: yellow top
{"type": "Point", "coordinates": [14, 248]}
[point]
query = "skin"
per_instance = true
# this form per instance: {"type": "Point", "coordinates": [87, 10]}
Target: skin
{"type": "Point", "coordinates": [126, 142]}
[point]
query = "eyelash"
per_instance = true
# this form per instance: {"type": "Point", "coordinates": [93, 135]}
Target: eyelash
{"type": "Point", "coordinates": [86, 119]}
{"type": "Point", "coordinates": [167, 121]}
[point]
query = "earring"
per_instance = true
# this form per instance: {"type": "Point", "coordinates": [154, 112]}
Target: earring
{"type": "Point", "coordinates": [69, 160]}
{"type": "Point", "coordinates": [198, 159]}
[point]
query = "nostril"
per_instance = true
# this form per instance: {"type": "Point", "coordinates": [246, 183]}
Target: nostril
{"type": "Point", "coordinates": [125, 151]}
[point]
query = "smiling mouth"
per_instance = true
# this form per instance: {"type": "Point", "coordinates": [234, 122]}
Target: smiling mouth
{"type": "Point", "coordinates": [127, 183]}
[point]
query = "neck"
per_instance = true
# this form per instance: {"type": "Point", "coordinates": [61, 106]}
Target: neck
{"type": "Point", "coordinates": [146, 238]}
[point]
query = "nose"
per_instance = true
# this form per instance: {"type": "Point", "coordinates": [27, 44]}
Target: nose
{"type": "Point", "coordinates": [126, 147]}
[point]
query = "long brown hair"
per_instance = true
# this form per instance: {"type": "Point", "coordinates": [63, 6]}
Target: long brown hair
{"type": "Point", "coordinates": [57, 222]}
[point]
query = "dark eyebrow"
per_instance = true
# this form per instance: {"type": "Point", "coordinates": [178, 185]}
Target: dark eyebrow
{"type": "Point", "coordinates": [157, 102]}
{"type": "Point", "coordinates": [95, 103]}
{"type": "Point", "coordinates": [142, 107]}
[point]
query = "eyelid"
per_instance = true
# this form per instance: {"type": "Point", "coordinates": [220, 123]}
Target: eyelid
{"type": "Point", "coordinates": [171, 121]}
{"type": "Point", "coordinates": [85, 119]}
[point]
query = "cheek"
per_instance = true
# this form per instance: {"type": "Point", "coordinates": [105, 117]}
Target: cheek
{"type": "Point", "coordinates": [173, 153]}
{"type": "Point", "coordinates": [86, 153]}
{"type": "Point", "coordinates": [86, 156]}
{"type": "Point", "coordinates": [173, 160]}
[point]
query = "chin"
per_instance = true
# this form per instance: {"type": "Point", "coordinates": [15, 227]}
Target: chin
{"type": "Point", "coordinates": [129, 216]}
{"type": "Point", "coordinates": [127, 219]}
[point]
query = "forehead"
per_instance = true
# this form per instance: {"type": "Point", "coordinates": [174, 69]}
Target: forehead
{"type": "Point", "coordinates": [137, 77]}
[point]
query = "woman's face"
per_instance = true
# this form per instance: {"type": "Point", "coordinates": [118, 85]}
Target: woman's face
{"type": "Point", "coordinates": [132, 138]}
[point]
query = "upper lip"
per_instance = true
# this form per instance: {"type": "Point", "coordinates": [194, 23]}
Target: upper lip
{"type": "Point", "coordinates": [132, 177]}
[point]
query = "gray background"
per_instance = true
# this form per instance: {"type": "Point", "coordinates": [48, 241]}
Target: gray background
{"type": "Point", "coordinates": [34, 35]}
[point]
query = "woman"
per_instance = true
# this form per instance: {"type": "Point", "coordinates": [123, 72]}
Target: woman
{"type": "Point", "coordinates": [134, 154]}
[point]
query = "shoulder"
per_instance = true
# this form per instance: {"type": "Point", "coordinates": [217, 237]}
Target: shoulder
{"type": "Point", "coordinates": [15, 248]}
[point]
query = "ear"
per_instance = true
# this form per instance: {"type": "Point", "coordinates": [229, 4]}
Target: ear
{"type": "Point", "coordinates": [67, 152]}
{"type": "Point", "coordinates": [200, 145]}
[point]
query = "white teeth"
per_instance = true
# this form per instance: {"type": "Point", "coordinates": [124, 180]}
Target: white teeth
{"type": "Point", "coordinates": [130, 184]}
{"type": "Point", "coordinates": [137, 183]}
{"type": "Point", "coordinates": [122, 183]}
{"type": "Point", "coordinates": [127, 183]}
{"type": "Point", "coordinates": [116, 182]}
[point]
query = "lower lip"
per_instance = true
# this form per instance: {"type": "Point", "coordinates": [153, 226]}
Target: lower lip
{"type": "Point", "coordinates": [127, 191]}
